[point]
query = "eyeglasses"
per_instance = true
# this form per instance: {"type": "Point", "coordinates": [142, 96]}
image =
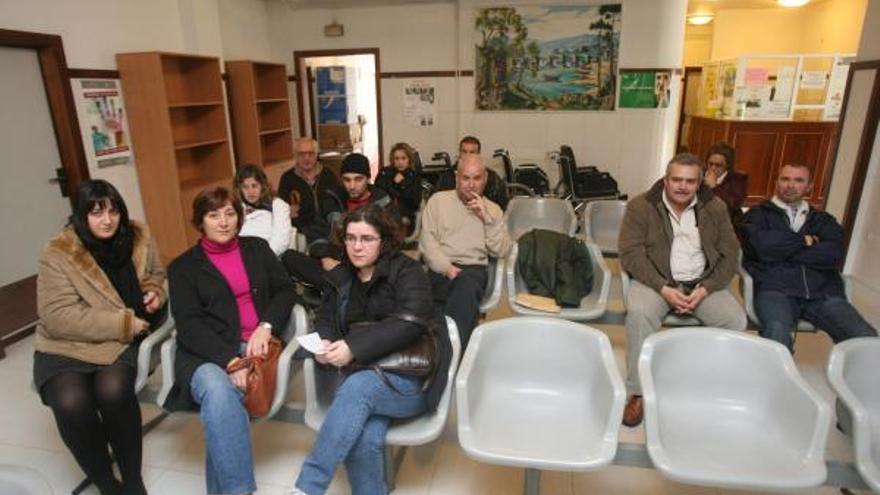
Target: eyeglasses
{"type": "Point", "coordinates": [367, 239]}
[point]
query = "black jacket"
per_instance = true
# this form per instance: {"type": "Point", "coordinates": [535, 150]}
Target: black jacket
{"type": "Point", "coordinates": [290, 182]}
{"type": "Point", "coordinates": [399, 286]}
{"type": "Point", "coordinates": [779, 258]}
{"type": "Point", "coordinates": [407, 194]}
{"type": "Point", "coordinates": [206, 314]}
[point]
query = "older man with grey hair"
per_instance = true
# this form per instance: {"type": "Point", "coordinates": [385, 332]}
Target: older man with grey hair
{"type": "Point", "coordinates": [461, 229]}
{"type": "Point", "coordinates": [679, 247]}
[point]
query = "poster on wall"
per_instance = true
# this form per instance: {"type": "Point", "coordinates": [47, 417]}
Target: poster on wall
{"type": "Point", "coordinates": [547, 57]}
{"type": "Point", "coordinates": [836, 88]}
{"type": "Point", "coordinates": [419, 103]}
{"type": "Point", "coordinates": [102, 121]}
{"type": "Point", "coordinates": [644, 89]}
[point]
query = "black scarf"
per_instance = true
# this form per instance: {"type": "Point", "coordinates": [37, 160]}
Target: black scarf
{"type": "Point", "coordinates": [114, 258]}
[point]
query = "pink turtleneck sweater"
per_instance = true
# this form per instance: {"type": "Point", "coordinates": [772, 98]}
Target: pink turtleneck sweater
{"type": "Point", "coordinates": [227, 259]}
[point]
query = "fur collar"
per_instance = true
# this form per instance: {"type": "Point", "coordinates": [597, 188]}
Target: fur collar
{"type": "Point", "coordinates": [68, 245]}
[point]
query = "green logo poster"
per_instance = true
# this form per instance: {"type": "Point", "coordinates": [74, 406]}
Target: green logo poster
{"type": "Point", "coordinates": [644, 89]}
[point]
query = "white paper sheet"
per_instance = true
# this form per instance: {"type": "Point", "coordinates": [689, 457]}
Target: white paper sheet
{"type": "Point", "coordinates": [312, 343]}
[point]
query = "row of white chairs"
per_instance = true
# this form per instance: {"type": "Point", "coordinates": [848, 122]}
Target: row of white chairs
{"type": "Point", "coordinates": [722, 408]}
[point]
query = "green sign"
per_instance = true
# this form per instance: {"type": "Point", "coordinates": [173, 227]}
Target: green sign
{"type": "Point", "coordinates": [639, 90]}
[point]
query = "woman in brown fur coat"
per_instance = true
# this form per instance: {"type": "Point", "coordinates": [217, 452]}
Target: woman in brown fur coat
{"type": "Point", "coordinates": [99, 291]}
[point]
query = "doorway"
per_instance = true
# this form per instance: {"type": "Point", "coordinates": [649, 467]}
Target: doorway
{"type": "Point", "coordinates": [43, 163]}
{"type": "Point", "coordinates": [338, 103]}
{"type": "Point", "coordinates": [690, 91]}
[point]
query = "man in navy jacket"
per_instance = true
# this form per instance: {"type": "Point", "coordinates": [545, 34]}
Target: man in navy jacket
{"type": "Point", "coordinates": [794, 253]}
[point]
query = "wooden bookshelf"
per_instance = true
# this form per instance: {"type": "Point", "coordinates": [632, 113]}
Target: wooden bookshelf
{"type": "Point", "coordinates": [179, 136]}
{"type": "Point", "coordinates": [260, 113]}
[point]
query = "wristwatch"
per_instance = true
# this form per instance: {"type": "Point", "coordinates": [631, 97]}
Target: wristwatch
{"type": "Point", "coordinates": [266, 324]}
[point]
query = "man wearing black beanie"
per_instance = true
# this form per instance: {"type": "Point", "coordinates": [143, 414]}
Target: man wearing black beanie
{"type": "Point", "coordinates": [356, 191]}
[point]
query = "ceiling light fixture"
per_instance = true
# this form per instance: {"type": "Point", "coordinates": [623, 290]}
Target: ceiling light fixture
{"type": "Point", "coordinates": [793, 3]}
{"type": "Point", "coordinates": [699, 19]}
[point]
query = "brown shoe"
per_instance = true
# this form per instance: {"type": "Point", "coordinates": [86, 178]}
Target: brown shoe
{"type": "Point", "coordinates": [633, 411]}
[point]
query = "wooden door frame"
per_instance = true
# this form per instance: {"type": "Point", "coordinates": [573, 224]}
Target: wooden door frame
{"type": "Point", "coordinates": [866, 145]}
{"type": "Point", "coordinates": [53, 65]}
{"type": "Point", "coordinates": [298, 55]}
{"type": "Point", "coordinates": [684, 77]}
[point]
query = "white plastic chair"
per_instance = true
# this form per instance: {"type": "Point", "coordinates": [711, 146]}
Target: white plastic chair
{"type": "Point", "coordinates": [671, 319]}
{"type": "Point", "coordinates": [602, 220]}
{"type": "Point", "coordinates": [420, 430]}
{"type": "Point", "coordinates": [147, 359]}
{"type": "Point", "coordinates": [747, 286]}
{"type": "Point", "coordinates": [492, 295]}
{"type": "Point", "coordinates": [539, 393]}
{"type": "Point", "coordinates": [852, 370]}
{"type": "Point", "coordinates": [22, 480]}
{"type": "Point", "coordinates": [729, 409]}
{"type": "Point", "coordinates": [525, 214]}
{"type": "Point", "coordinates": [298, 319]}
{"type": "Point", "coordinates": [592, 306]}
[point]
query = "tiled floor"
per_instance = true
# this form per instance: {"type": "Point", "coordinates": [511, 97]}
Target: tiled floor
{"type": "Point", "coordinates": [174, 452]}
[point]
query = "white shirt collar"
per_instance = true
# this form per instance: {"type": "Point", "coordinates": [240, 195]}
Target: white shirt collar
{"type": "Point", "coordinates": [802, 207]}
{"type": "Point", "coordinates": [721, 178]}
{"type": "Point", "coordinates": [669, 205]}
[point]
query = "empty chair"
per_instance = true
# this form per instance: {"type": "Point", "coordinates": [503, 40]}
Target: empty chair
{"type": "Point", "coordinates": [539, 393]}
{"type": "Point", "coordinates": [298, 319]}
{"type": "Point", "coordinates": [729, 409]}
{"type": "Point", "coordinates": [525, 214]}
{"type": "Point", "coordinates": [852, 371]}
{"type": "Point", "coordinates": [321, 385]}
{"type": "Point", "coordinates": [602, 221]}
{"type": "Point", "coordinates": [671, 319]}
{"type": "Point", "coordinates": [747, 286]}
{"type": "Point", "coordinates": [592, 306]}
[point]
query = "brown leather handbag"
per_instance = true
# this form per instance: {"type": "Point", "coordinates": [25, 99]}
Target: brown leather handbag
{"type": "Point", "coordinates": [261, 379]}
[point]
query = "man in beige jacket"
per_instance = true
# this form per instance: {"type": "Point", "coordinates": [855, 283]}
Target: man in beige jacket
{"type": "Point", "coordinates": [461, 229]}
{"type": "Point", "coordinates": [678, 245]}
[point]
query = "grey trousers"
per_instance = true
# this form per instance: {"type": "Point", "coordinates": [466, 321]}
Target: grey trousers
{"type": "Point", "coordinates": [645, 309]}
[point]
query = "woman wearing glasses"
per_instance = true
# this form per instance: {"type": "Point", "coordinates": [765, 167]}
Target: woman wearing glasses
{"type": "Point", "coordinates": [386, 295]}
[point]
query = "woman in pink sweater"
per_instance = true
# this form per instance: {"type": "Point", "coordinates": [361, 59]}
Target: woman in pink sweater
{"type": "Point", "coordinates": [231, 294]}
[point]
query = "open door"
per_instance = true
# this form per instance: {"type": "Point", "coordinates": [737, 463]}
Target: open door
{"type": "Point", "coordinates": [43, 163]}
{"type": "Point", "coordinates": [338, 102]}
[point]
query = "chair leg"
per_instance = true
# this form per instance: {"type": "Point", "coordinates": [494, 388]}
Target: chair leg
{"type": "Point", "coordinates": [532, 482]}
{"type": "Point", "coordinates": [81, 486]}
{"type": "Point", "coordinates": [393, 460]}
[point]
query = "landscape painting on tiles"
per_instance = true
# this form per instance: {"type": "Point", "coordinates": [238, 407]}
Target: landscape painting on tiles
{"type": "Point", "coordinates": [547, 57]}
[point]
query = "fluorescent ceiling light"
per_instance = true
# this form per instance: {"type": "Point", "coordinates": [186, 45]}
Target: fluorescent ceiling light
{"type": "Point", "coordinates": [699, 19]}
{"type": "Point", "coordinates": [793, 3]}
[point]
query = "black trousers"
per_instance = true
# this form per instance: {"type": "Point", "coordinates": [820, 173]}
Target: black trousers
{"type": "Point", "coordinates": [460, 297]}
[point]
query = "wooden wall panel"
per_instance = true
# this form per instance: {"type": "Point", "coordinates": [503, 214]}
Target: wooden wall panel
{"type": "Point", "coordinates": [755, 155]}
{"type": "Point", "coordinates": [762, 147]}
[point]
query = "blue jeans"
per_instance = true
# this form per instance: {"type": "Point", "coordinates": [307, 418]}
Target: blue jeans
{"type": "Point", "coordinates": [229, 464]}
{"type": "Point", "coordinates": [354, 431]}
{"type": "Point", "coordinates": [780, 313]}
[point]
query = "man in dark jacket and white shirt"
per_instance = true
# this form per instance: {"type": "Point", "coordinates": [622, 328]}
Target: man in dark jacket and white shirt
{"type": "Point", "coordinates": [678, 245]}
{"type": "Point", "coordinates": [794, 252]}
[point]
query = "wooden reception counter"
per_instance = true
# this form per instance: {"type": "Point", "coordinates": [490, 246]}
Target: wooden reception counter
{"type": "Point", "coordinates": [763, 146]}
